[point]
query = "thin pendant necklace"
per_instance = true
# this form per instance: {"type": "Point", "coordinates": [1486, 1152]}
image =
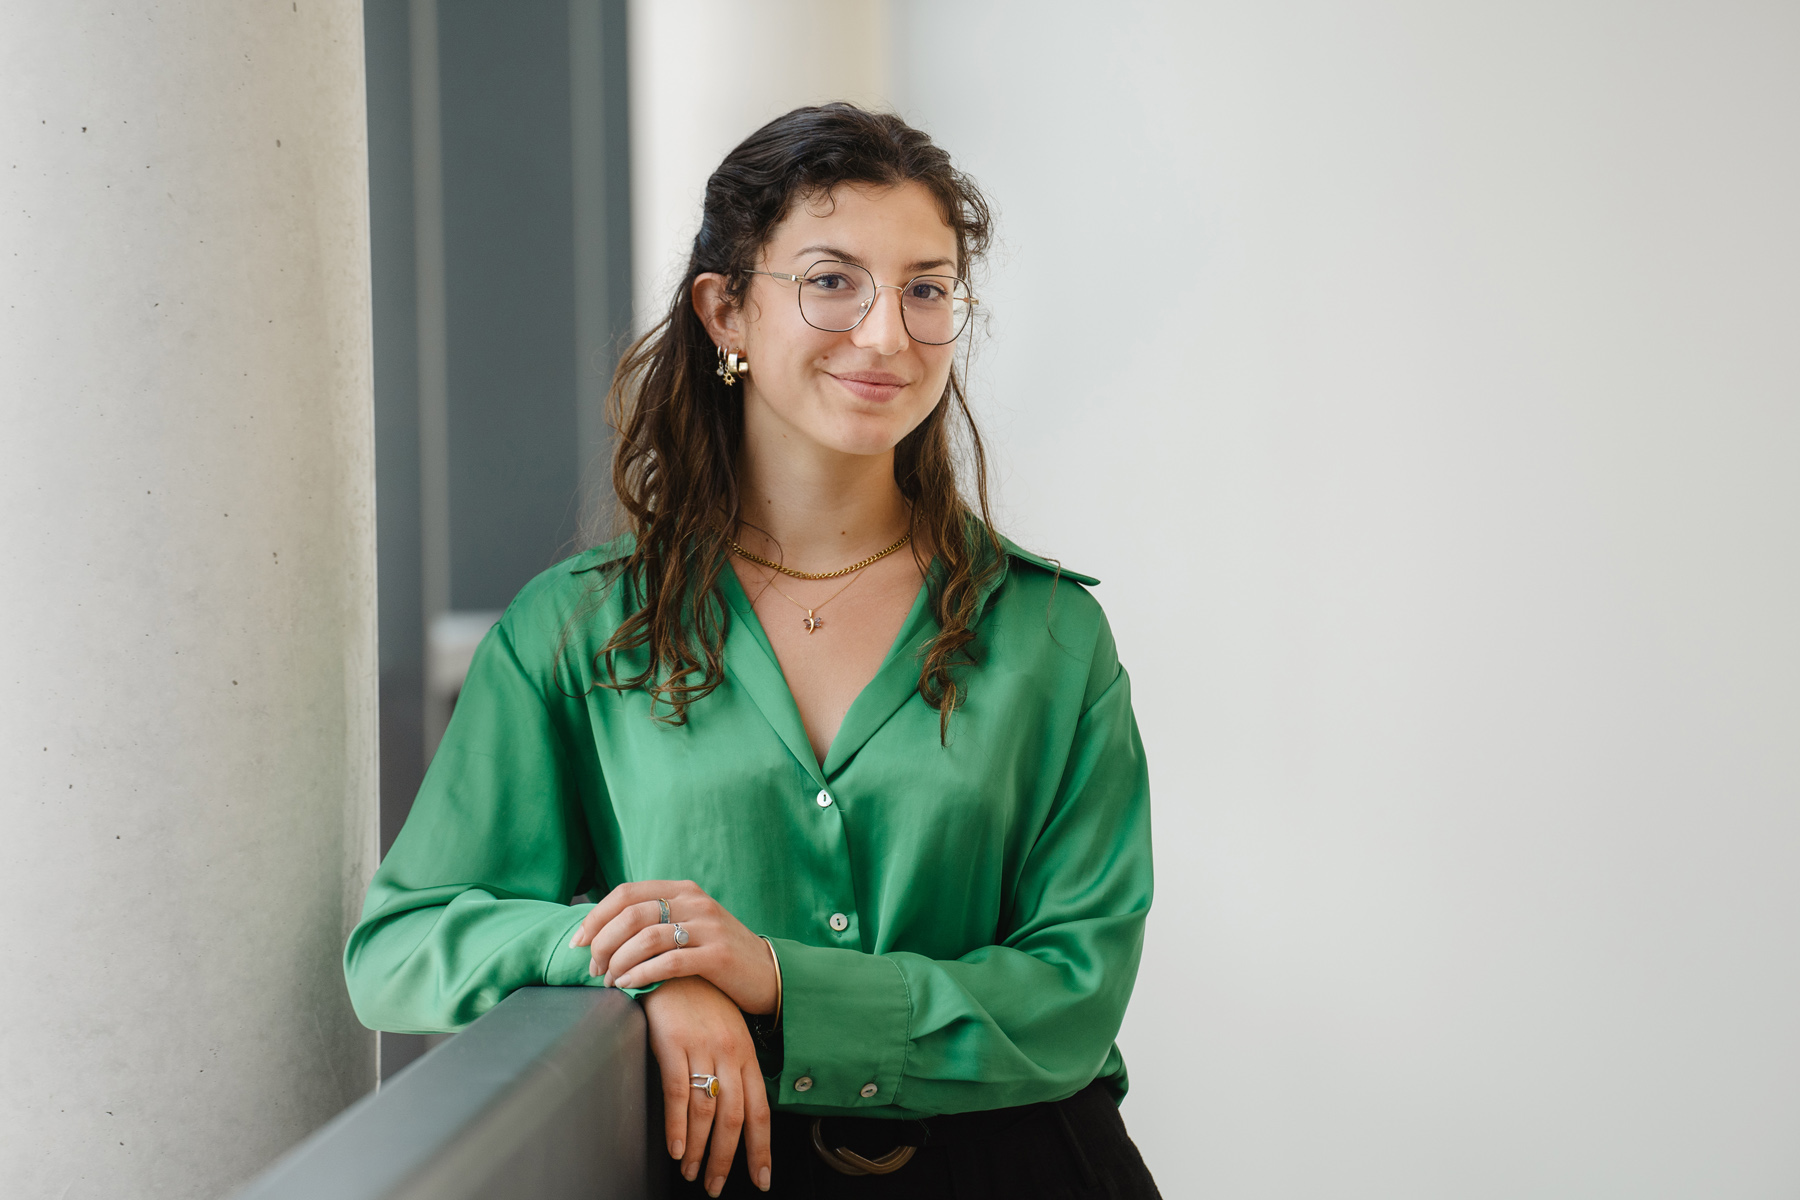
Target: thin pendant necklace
{"type": "Point", "coordinates": [812, 623]}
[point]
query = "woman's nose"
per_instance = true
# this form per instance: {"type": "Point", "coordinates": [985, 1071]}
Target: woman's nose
{"type": "Point", "coordinates": [882, 329]}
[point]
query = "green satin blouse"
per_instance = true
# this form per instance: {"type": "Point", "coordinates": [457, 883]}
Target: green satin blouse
{"type": "Point", "coordinates": [958, 925]}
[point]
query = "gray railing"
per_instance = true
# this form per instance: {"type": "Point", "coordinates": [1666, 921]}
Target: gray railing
{"type": "Point", "coordinates": [547, 1096]}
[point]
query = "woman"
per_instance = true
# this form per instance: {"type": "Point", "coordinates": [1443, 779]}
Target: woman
{"type": "Point", "coordinates": [861, 777]}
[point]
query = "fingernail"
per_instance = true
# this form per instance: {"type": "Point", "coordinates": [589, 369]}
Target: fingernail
{"type": "Point", "coordinates": [676, 1147]}
{"type": "Point", "coordinates": [688, 1172]}
{"type": "Point", "coordinates": [762, 1179]}
{"type": "Point", "coordinates": [624, 981]}
{"type": "Point", "coordinates": [715, 1185]}
{"type": "Point", "coordinates": [607, 980]}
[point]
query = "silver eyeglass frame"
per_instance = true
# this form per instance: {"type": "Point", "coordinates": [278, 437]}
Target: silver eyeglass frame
{"type": "Point", "coordinates": [868, 308]}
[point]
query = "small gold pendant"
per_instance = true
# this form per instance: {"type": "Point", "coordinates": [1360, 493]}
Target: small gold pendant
{"type": "Point", "coordinates": [811, 622]}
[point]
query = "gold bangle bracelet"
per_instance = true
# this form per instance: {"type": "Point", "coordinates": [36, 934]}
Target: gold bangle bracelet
{"type": "Point", "coordinates": [776, 1019]}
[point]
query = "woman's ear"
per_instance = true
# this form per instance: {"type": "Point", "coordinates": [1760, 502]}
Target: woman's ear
{"type": "Point", "coordinates": [724, 320]}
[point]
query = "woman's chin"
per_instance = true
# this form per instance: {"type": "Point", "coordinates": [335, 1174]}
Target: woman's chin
{"type": "Point", "coordinates": [861, 432]}
{"type": "Point", "coordinates": [859, 447]}
{"type": "Point", "coordinates": [865, 437]}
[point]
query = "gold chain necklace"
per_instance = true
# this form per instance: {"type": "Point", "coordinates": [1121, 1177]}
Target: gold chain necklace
{"type": "Point", "coordinates": [839, 574]}
{"type": "Point", "coordinates": [812, 623]}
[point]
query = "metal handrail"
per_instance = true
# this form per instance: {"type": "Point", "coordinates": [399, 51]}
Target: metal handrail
{"type": "Point", "coordinates": [548, 1095]}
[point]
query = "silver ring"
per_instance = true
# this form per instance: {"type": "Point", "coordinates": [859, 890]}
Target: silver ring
{"type": "Point", "coordinates": [681, 936]}
{"type": "Point", "coordinates": [665, 911]}
{"type": "Point", "coordinates": [706, 1083]}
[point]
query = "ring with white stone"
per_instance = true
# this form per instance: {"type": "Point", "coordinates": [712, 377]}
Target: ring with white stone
{"type": "Point", "coordinates": [681, 935]}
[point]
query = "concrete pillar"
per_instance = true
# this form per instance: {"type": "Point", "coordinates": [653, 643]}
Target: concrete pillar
{"type": "Point", "coordinates": [187, 684]}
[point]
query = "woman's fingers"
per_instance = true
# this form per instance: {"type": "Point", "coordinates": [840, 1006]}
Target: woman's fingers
{"type": "Point", "coordinates": [675, 1087]}
{"type": "Point", "coordinates": [635, 919]}
{"type": "Point", "coordinates": [756, 1124]}
{"type": "Point", "coordinates": [727, 1124]}
{"type": "Point", "coordinates": [623, 897]}
{"type": "Point", "coordinates": [700, 1110]}
{"type": "Point", "coordinates": [652, 957]}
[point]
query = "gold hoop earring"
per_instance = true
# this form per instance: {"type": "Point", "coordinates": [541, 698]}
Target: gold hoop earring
{"type": "Point", "coordinates": [731, 365]}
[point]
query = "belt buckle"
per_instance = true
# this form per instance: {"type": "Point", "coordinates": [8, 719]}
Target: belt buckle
{"type": "Point", "coordinates": [848, 1162]}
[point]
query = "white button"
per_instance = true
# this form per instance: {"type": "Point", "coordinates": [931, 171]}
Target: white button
{"type": "Point", "coordinates": [803, 1084]}
{"type": "Point", "coordinates": [824, 799]}
{"type": "Point", "coordinates": [869, 1089]}
{"type": "Point", "coordinates": [840, 922]}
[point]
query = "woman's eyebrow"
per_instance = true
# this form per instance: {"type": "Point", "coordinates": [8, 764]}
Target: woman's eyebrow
{"type": "Point", "coordinates": [830, 252]}
{"type": "Point", "coordinates": [843, 255]}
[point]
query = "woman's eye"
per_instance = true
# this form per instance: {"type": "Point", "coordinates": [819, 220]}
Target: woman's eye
{"type": "Point", "coordinates": [930, 293]}
{"type": "Point", "coordinates": [830, 282]}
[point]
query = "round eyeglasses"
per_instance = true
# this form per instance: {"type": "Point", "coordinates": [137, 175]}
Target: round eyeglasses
{"type": "Point", "coordinates": [836, 296]}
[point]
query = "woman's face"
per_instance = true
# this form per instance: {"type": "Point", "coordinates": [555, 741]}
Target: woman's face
{"type": "Point", "coordinates": [857, 392]}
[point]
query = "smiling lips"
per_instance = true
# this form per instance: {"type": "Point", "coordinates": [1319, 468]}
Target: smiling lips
{"type": "Point", "coordinates": [871, 385]}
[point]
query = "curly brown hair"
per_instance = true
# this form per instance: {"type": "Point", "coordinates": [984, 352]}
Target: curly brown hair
{"type": "Point", "coordinates": [680, 427]}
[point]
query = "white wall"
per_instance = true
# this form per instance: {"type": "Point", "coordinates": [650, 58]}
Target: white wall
{"type": "Point", "coordinates": [705, 74]}
{"type": "Point", "coordinates": [187, 677]}
{"type": "Point", "coordinates": [1421, 381]}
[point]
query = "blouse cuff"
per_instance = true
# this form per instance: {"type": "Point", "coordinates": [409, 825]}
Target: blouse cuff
{"type": "Point", "coordinates": [846, 1024]}
{"type": "Point", "coordinates": [568, 965]}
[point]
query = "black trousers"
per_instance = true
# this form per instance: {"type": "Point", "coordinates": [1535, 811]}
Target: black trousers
{"type": "Point", "coordinates": [1074, 1149]}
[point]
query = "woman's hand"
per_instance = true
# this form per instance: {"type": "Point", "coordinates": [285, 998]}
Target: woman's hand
{"type": "Point", "coordinates": [695, 1029]}
{"type": "Point", "coordinates": [632, 948]}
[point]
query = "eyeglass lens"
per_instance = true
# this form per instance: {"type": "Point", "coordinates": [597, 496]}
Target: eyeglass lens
{"type": "Point", "coordinates": [835, 296]}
